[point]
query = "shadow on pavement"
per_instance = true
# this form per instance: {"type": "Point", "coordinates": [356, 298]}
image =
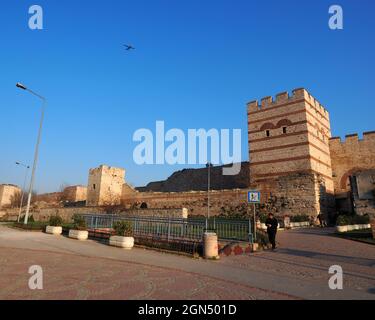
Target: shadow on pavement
{"type": "Point", "coordinates": [328, 257]}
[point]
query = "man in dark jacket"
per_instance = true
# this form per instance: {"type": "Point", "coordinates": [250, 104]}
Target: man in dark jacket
{"type": "Point", "coordinates": [272, 224]}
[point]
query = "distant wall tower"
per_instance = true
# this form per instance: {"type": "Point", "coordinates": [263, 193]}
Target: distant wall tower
{"type": "Point", "coordinates": [289, 135]}
{"type": "Point", "coordinates": [105, 186]}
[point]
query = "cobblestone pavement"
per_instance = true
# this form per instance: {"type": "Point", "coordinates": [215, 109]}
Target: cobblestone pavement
{"type": "Point", "coordinates": [92, 270]}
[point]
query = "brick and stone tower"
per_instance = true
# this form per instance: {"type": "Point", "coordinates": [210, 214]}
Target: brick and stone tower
{"type": "Point", "coordinates": [289, 135]}
{"type": "Point", "coordinates": [105, 186]}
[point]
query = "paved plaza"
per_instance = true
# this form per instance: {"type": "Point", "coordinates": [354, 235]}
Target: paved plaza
{"type": "Point", "coordinates": [93, 270]}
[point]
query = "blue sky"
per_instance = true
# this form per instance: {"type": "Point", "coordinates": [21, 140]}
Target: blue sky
{"type": "Point", "coordinates": [196, 64]}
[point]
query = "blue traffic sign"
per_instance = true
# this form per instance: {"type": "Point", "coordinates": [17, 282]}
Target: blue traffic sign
{"type": "Point", "coordinates": [253, 197]}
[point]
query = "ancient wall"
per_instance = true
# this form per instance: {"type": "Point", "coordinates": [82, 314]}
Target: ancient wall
{"type": "Point", "coordinates": [75, 193]}
{"type": "Point", "coordinates": [350, 156]}
{"type": "Point", "coordinates": [105, 186]}
{"type": "Point", "coordinates": [363, 192]}
{"type": "Point", "coordinates": [289, 135]}
{"type": "Point", "coordinates": [301, 193]}
{"type": "Point", "coordinates": [52, 198]}
{"type": "Point", "coordinates": [196, 180]}
{"type": "Point", "coordinates": [7, 194]}
{"type": "Point", "coordinates": [296, 194]}
{"type": "Point", "coordinates": [194, 201]}
{"type": "Point", "coordinates": [43, 214]}
{"type": "Point", "coordinates": [365, 181]}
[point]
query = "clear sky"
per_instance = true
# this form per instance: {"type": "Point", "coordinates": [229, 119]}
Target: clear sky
{"type": "Point", "coordinates": [196, 64]}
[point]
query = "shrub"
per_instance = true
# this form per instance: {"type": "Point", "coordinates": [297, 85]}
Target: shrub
{"type": "Point", "coordinates": [55, 221]}
{"type": "Point", "coordinates": [262, 217]}
{"type": "Point", "coordinates": [79, 222]}
{"type": "Point", "coordinates": [300, 218]}
{"type": "Point", "coordinates": [123, 228]}
{"type": "Point", "coordinates": [30, 219]}
{"type": "Point", "coordinates": [357, 219]}
{"type": "Point", "coordinates": [344, 220]}
{"type": "Point", "coordinates": [33, 226]}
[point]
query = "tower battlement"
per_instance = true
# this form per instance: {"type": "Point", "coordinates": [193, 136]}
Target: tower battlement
{"type": "Point", "coordinates": [284, 98]}
{"type": "Point", "coordinates": [352, 138]}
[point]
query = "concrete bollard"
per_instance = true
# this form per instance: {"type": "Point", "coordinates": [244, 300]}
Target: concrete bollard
{"type": "Point", "coordinates": [210, 245]}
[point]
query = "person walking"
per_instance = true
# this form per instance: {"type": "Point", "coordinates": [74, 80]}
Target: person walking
{"type": "Point", "coordinates": [272, 224]}
{"type": "Point", "coordinates": [320, 218]}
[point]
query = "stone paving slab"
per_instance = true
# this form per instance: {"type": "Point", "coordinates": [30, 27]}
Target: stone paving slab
{"type": "Point", "coordinates": [68, 276]}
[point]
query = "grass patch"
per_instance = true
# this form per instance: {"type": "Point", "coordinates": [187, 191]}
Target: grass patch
{"type": "Point", "coordinates": [31, 226]}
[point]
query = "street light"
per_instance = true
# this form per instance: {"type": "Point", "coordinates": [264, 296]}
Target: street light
{"type": "Point", "coordinates": [23, 188]}
{"type": "Point", "coordinates": [21, 86]}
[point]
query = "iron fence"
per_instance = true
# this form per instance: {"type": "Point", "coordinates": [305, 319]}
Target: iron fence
{"type": "Point", "coordinates": [175, 228]}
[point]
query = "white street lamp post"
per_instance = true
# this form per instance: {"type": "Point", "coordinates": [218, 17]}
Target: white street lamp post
{"type": "Point", "coordinates": [23, 188]}
{"type": "Point", "coordinates": [21, 86]}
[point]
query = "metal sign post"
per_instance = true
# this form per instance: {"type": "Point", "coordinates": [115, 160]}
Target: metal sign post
{"type": "Point", "coordinates": [254, 198]}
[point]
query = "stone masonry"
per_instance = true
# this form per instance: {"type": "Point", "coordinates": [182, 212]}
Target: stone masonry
{"type": "Point", "coordinates": [7, 193]}
{"type": "Point", "coordinates": [289, 135]}
{"type": "Point", "coordinates": [293, 161]}
{"type": "Point", "coordinates": [349, 156]}
{"type": "Point", "coordinates": [105, 186]}
{"type": "Point", "coordinates": [75, 193]}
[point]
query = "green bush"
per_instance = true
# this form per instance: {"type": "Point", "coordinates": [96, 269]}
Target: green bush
{"type": "Point", "coordinates": [262, 217]}
{"type": "Point", "coordinates": [123, 228]}
{"type": "Point", "coordinates": [79, 223]}
{"type": "Point", "coordinates": [32, 226]}
{"type": "Point", "coordinates": [55, 221]}
{"type": "Point", "coordinates": [344, 220]}
{"type": "Point", "coordinates": [30, 219]}
{"type": "Point", "coordinates": [357, 219]}
{"type": "Point", "coordinates": [300, 218]}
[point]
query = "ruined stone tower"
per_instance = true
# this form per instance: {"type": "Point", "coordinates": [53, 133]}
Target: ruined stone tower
{"type": "Point", "coordinates": [105, 186]}
{"type": "Point", "coordinates": [289, 135]}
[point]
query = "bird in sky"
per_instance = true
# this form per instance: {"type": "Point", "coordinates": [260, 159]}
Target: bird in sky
{"type": "Point", "coordinates": [128, 47]}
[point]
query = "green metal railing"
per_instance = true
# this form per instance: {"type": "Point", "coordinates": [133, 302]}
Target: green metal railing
{"type": "Point", "coordinates": [176, 228]}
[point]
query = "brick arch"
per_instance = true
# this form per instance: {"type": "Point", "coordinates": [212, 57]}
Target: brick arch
{"type": "Point", "coordinates": [344, 178]}
{"type": "Point", "coordinates": [284, 122]}
{"type": "Point", "coordinates": [267, 126]}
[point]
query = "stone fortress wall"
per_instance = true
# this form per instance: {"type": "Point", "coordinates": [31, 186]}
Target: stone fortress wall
{"type": "Point", "coordinates": [351, 155]}
{"type": "Point", "coordinates": [294, 162]}
{"type": "Point", "coordinates": [7, 193]}
{"type": "Point", "coordinates": [69, 194]}
{"type": "Point", "coordinates": [194, 201]}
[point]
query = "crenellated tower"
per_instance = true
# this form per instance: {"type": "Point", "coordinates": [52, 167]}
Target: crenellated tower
{"type": "Point", "coordinates": [289, 135]}
{"type": "Point", "coordinates": [105, 186]}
